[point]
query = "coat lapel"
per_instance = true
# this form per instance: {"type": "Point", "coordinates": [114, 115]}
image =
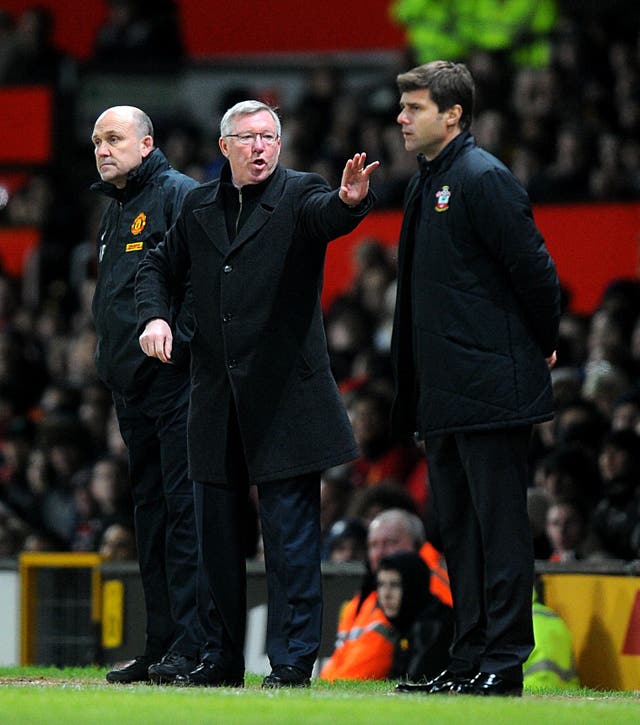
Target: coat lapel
{"type": "Point", "coordinates": [212, 221]}
{"type": "Point", "coordinates": [262, 213]}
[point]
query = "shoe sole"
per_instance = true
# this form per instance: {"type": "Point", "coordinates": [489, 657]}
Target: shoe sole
{"type": "Point", "coordinates": [116, 681]}
{"type": "Point", "coordinates": [226, 683]}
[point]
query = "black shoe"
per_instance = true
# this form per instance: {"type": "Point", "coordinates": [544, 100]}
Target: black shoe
{"type": "Point", "coordinates": [136, 670]}
{"type": "Point", "coordinates": [485, 683]}
{"type": "Point", "coordinates": [286, 676]}
{"type": "Point", "coordinates": [208, 674]}
{"type": "Point", "coordinates": [444, 682]}
{"type": "Point", "coordinates": [169, 667]}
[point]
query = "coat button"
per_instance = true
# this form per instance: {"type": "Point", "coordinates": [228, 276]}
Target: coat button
{"type": "Point", "coordinates": [227, 317]}
{"type": "Point", "coordinates": [227, 268]}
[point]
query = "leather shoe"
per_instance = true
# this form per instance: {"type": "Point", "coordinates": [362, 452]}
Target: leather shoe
{"type": "Point", "coordinates": [443, 682]}
{"type": "Point", "coordinates": [486, 683]}
{"type": "Point", "coordinates": [209, 674]}
{"type": "Point", "coordinates": [169, 667]}
{"type": "Point", "coordinates": [137, 670]}
{"type": "Point", "coordinates": [286, 676]}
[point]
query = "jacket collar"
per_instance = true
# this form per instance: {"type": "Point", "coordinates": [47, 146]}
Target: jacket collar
{"type": "Point", "coordinates": [137, 178]}
{"type": "Point", "coordinates": [252, 190]}
{"type": "Point", "coordinates": [445, 158]}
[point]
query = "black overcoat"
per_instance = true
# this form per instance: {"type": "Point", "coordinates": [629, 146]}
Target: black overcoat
{"type": "Point", "coordinates": [478, 301]}
{"type": "Point", "coordinates": [259, 332]}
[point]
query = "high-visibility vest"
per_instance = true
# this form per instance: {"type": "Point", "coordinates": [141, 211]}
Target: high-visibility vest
{"type": "Point", "coordinates": [439, 583]}
{"type": "Point", "coordinates": [364, 643]}
{"type": "Point", "coordinates": [551, 664]}
{"type": "Point", "coordinates": [451, 30]}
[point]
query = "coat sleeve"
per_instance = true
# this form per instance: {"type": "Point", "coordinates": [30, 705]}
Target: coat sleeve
{"type": "Point", "coordinates": [323, 215]}
{"type": "Point", "coordinates": [502, 217]}
{"type": "Point", "coordinates": [162, 272]}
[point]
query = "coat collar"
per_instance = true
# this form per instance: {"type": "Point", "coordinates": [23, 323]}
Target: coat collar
{"type": "Point", "coordinates": [441, 162]}
{"type": "Point", "coordinates": [212, 220]}
{"type": "Point", "coordinates": [137, 178]}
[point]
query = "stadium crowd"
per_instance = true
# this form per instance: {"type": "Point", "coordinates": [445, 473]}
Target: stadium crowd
{"type": "Point", "coordinates": [570, 132]}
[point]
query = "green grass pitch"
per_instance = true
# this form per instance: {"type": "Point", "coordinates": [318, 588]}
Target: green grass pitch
{"type": "Point", "coordinates": [43, 695]}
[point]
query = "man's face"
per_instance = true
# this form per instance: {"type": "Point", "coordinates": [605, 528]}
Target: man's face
{"type": "Point", "coordinates": [118, 145]}
{"type": "Point", "coordinates": [424, 128]}
{"type": "Point", "coordinates": [255, 161]}
{"type": "Point", "coordinates": [384, 538]}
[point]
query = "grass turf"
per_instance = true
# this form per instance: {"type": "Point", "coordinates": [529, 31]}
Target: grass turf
{"type": "Point", "coordinates": [36, 695]}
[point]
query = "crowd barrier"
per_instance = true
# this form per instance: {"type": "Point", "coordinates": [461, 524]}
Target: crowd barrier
{"type": "Point", "coordinates": [74, 609]}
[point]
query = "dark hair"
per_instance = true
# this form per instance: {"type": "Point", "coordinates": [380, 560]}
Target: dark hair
{"type": "Point", "coordinates": [449, 84]}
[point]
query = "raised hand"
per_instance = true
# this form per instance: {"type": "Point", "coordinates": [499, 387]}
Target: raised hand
{"type": "Point", "coordinates": [355, 179]}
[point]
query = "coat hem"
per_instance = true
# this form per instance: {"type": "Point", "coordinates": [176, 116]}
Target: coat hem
{"type": "Point", "coordinates": [322, 465]}
{"type": "Point", "coordinates": [497, 425]}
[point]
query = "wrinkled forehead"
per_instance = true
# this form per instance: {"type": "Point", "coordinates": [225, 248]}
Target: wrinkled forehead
{"type": "Point", "coordinates": [113, 122]}
{"type": "Point", "coordinates": [258, 121]}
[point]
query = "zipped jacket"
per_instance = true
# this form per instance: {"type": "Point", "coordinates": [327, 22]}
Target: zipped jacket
{"type": "Point", "coordinates": [135, 221]}
{"type": "Point", "coordinates": [478, 302]}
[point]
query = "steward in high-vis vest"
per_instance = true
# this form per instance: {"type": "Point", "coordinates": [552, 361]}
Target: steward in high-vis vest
{"type": "Point", "coordinates": [551, 665]}
{"type": "Point", "coordinates": [456, 28]}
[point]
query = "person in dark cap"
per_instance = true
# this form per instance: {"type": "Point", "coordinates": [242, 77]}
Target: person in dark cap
{"type": "Point", "coordinates": [346, 541]}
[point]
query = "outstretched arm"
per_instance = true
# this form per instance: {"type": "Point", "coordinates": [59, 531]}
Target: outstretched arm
{"type": "Point", "coordinates": [355, 179]}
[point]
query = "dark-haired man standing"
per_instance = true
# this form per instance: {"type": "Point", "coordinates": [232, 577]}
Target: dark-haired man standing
{"type": "Point", "coordinates": [474, 337]}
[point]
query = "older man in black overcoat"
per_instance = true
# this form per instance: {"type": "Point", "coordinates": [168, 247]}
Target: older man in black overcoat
{"type": "Point", "coordinates": [265, 408]}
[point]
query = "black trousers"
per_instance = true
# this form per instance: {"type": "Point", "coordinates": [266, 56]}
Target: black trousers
{"type": "Point", "coordinates": [479, 482]}
{"type": "Point", "coordinates": [154, 428]}
{"type": "Point", "coordinates": [290, 523]}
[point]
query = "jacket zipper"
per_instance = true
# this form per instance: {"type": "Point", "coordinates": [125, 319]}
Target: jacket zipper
{"type": "Point", "coordinates": [239, 212]}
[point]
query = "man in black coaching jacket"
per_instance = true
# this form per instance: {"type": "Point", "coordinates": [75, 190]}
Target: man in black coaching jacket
{"type": "Point", "coordinates": [151, 399]}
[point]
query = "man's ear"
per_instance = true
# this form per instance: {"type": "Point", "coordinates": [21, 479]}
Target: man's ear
{"type": "Point", "coordinates": [224, 146]}
{"type": "Point", "coordinates": [146, 143]}
{"type": "Point", "coordinates": [454, 114]}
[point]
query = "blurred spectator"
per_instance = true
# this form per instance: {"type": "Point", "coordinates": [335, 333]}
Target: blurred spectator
{"type": "Point", "coordinates": [118, 543]}
{"type": "Point", "coordinates": [626, 412]}
{"type": "Point", "coordinates": [381, 458]}
{"type": "Point", "coordinates": [346, 541]}
{"type": "Point", "coordinates": [139, 35]}
{"type": "Point", "coordinates": [34, 58]}
{"type": "Point", "coordinates": [616, 517]}
{"type": "Point", "coordinates": [367, 503]}
{"type": "Point", "coordinates": [567, 529]}
{"type": "Point", "coordinates": [569, 471]}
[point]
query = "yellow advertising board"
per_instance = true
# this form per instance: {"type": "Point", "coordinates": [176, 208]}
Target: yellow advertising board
{"type": "Point", "coordinates": [603, 614]}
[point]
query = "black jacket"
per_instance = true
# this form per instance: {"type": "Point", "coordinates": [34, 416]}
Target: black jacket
{"type": "Point", "coordinates": [134, 222]}
{"type": "Point", "coordinates": [478, 302]}
{"type": "Point", "coordinates": [259, 337]}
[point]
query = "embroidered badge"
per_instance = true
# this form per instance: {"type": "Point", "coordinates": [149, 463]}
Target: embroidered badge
{"type": "Point", "coordinates": [442, 199]}
{"type": "Point", "coordinates": [139, 223]}
{"type": "Point", "coordinates": [134, 247]}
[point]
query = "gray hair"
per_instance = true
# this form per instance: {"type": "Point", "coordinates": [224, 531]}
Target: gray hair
{"type": "Point", "coordinates": [143, 123]}
{"type": "Point", "coordinates": [409, 522]}
{"type": "Point", "coordinates": [247, 108]}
